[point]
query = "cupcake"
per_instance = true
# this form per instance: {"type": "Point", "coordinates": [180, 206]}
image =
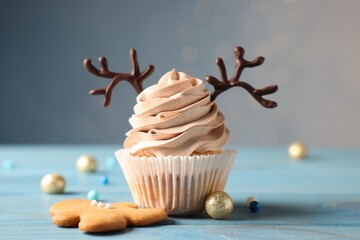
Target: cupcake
{"type": "Point", "coordinates": [173, 156]}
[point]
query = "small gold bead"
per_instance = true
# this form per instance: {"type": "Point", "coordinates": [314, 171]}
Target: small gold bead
{"type": "Point", "coordinates": [53, 183]}
{"type": "Point", "coordinates": [297, 150]}
{"type": "Point", "coordinates": [219, 205]}
{"type": "Point", "coordinates": [86, 163]}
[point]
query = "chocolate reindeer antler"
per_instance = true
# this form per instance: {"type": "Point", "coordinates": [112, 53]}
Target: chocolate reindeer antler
{"type": "Point", "coordinates": [135, 78]}
{"type": "Point", "coordinates": [240, 65]}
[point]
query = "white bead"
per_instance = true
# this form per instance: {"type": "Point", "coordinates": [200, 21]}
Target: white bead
{"type": "Point", "coordinates": [108, 206]}
{"type": "Point", "coordinates": [94, 203]}
{"type": "Point", "coordinates": [100, 204]}
{"type": "Point", "coordinates": [251, 199]}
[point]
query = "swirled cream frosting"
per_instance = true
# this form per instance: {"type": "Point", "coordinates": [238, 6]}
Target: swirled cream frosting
{"type": "Point", "coordinates": [176, 117]}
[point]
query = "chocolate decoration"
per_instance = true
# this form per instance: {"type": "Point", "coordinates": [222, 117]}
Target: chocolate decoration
{"type": "Point", "coordinates": [240, 65]}
{"type": "Point", "coordinates": [135, 78]}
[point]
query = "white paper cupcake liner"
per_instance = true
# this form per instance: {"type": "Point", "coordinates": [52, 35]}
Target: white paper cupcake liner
{"type": "Point", "coordinates": [178, 184]}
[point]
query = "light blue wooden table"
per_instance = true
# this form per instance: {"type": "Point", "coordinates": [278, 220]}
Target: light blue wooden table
{"type": "Point", "coordinates": [318, 198]}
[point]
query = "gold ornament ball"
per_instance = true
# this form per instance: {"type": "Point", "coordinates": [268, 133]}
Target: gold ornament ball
{"type": "Point", "coordinates": [219, 205]}
{"type": "Point", "coordinates": [86, 163]}
{"type": "Point", "coordinates": [297, 150]}
{"type": "Point", "coordinates": [53, 183]}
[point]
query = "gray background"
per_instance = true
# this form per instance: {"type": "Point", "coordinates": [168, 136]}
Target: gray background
{"type": "Point", "coordinates": [311, 48]}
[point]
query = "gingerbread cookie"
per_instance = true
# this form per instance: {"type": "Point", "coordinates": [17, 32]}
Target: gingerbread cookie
{"type": "Point", "coordinates": [91, 216]}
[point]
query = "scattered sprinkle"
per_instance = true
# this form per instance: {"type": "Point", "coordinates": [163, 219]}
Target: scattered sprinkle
{"type": "Point", "coordinates": [8, 164]}
{"type": "Point", "coordinates": [93, 195]}
{"type": "Point", "coordinates": [110, 162]}
{"type": "Point", "coordinates": [104, 180]}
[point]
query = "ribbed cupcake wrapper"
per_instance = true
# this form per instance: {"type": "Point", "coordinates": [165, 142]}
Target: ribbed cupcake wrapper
{"type": "Point", "coordinates": [178, 184]}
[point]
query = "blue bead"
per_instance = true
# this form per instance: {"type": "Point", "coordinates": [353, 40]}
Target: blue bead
{"type": "Point", "coordinates": [8, 164]}
{"type": "Point", "coordinates": [104, 180]}
{"type": "Point", "coordinates": [110, 162]}
{"type": "Point", "coordinates": [93, 195]}
{"type": "Point", "coordinates": [254, 206]}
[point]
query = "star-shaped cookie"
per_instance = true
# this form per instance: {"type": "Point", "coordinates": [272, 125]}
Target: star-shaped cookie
{"type": "Point", "coordinates": [80, 212]}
